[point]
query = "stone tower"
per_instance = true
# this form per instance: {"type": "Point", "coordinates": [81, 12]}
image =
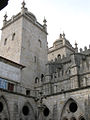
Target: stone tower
{"type": "Point", "coordinates": [61, 48]}
{"type": "Point", "coordinates": [24, 41]}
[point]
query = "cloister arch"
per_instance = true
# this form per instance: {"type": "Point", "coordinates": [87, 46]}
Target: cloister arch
{"type": "Point", "coordinates": [71, 110]}
{"type": "Point", "coordinates": [4, 109]}
{"type": "Point", "coordinates": [27, 111]}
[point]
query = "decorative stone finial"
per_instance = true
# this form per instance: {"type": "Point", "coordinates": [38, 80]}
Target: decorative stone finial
{"type": "Point", "coordinates": [45, 25]}
{"type": "Point", "coordinates": [85, 48]}
{"type": "Point", "coordinates": [23, 7]}
{"type": "Point", "coordinates": [5, 19]}
{"type": "Point", "coordinates": [76, 44]}
{"type": "Point", "coordinates": [23, 4]}
{"type": "Point", "coordinates": [76, 47]}
{"type": "Point", "coordinates": [81, 50]}
{"type": "Point", "coordinates": [63, 35]}
{"type": "Point", "coordinates": [44, 21]}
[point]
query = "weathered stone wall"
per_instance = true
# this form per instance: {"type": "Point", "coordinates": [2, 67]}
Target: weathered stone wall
{"type": "Point", "coordinates": [10, 47]}
{"type": "Point", "coordinates": [14, 106]}
{"type": "Point", "coordinates": [33, 52]}
{"type": "Point", "coordinates": [10, 72]}
{"type": "Point", "coordinates": [62, 102]}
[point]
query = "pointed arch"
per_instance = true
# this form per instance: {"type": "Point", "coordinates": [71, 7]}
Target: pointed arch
{"type": "Point", "coordinates": [27, 110]}
{"type": "Point", "coordinates": [69, 100]}
{"type": "Point", "coordinates": [70, 109]}
{"type": "Point", "coordinates": [4, 102]}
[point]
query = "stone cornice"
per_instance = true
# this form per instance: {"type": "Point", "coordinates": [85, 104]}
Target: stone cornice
{"type": "Point", "coordinates": [50, 51]}
{"type": "Point", "coordinates": [7, 61]}
{"type": "Point", "coordinates": [27, 16]}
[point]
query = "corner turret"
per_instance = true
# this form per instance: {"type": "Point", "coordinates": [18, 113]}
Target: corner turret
{"type": "Point", "coordinates": [60, 47]}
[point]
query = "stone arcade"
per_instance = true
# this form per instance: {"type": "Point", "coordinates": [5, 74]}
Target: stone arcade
{"type": "Point", "coordinates": [37, 83]}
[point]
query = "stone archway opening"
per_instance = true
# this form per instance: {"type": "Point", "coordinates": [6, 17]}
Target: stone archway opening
{"type": "Point", "coordinates": [4, 111]}
{"type": "Point", "coordinates": [73, 118]}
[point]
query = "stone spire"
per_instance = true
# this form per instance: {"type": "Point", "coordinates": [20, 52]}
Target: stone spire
{"type": "Point", "coordinates": [23, 7]}
{"type": "Point", "coordinates": [76, 47]}
{"type": "Point", "coordinates": [5, 19]}
{"type": "Point", "coordinates": [45, 25]}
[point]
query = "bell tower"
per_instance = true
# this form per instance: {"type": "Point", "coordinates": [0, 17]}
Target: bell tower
{"type": "Point", "coordinates": [24, 40]}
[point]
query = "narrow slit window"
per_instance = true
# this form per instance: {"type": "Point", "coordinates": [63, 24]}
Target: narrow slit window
{"type": "Point", "coordinates": [35, 59]}
{"type": "Point", "coordinates": [13, 36]}
{"type": "Point", "coordinates": [5, 42]}
{"type": "Point", "coordinates": [40, 43]}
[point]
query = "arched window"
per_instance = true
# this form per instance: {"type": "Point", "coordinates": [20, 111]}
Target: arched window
{"type": "Point", "coordinates": [42, 77]}
{"type": "Point", "coordinates": [1, 107]}
{"type": "Point", "coordinates": [46, 111]}
{"type": "Point", "coordinates": [40, 43]}
{"type": "Point", "coordinates": [5, 42]}
{"type": "Point", "coordinates": [13, 36]}
{"type": "Point", "coordinates": [59, 56]}
{"type": "Point", "coordinates": [36, 80]}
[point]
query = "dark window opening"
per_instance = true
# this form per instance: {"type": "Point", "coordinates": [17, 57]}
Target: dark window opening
{"type": "Point", "coordinates": [35, 59]}
{"type": "Point", "coordinates": [46, 111]}
{"type": "Point", "coordinates": [40, 43]}
{"type": "Point", "coordinates": [10, 86]}
{"type": "Point", "coordinates": [55, 76]}
{"type": "Point", "coordinates": [69, 71]}
{"type": "Point", "coordinates": [42, 77]}
{"type": "Point", "coordinates": [5, 42]}
{"type": "Point", "coordinates": [25, 110]}
{"type": "Point", "coordinates": [13, 36]}
{"type": "Point", "coordinates": [27, 92]}
{"type": "Point", "coordinates": [73, 107]}
{"type": "Point", "coordinates": [59, 56]}
{"type": "Point", "coordinates": [36, 80]}
{"type": "Point", "coordinates": [1, 106]}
